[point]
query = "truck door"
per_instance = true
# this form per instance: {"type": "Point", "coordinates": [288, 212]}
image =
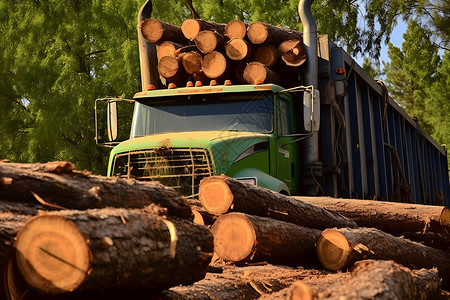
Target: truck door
{"type": "Point", "coordinates": [287, 152]}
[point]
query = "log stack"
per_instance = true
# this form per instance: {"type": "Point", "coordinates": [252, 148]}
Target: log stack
{"type": "Point", "coordinates": [260, 51]}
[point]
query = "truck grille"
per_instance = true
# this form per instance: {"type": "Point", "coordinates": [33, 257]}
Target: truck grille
{"type": "Point", "coordinates": [181, 169]}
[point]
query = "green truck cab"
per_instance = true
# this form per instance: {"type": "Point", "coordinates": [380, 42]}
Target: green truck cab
{"type": "Point", "coordinates": [179, 136]}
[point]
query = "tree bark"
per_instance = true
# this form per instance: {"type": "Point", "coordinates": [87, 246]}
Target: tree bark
{"type": "Point", "coordinates": [236, 29]}
{"type": "Point", "coordinates": [208, 41]}
{"type": "Point", "coordinates": [238, 49]}
{"type": "Point", "coordinates": [108, 249]}
{"type": "Point", "coordinates": [391, 217]}
{"type": "Point", "coordinates": [339, 248]}
{"type": "Point", "coordinates": [192, 27]}
{"type": "Point", "coordinates": [292, 52]}
{"type": "Point", "coordinates": [267, 54]}
{"type": "Point", "coordinates": [241, 238]}
{"type": "Point", "coordinates": [259, 32]}
{"type": "Point", "coordinates": [257, 73]}
{"type": "Point", "coordinates": [80, 190]}
{"type": "Point", "coordinates": [249, 282]}
{"type": "Point", "coordinates": [156, 32]}
{"type": "Point", "coordinates": [220, 194]}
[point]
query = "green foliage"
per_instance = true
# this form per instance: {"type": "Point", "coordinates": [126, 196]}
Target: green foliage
{"type": "Point", "coordinates": [372, 68]}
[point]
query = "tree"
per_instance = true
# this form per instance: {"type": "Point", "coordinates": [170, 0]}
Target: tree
{"type": "Point", "coordinates": [411, 70]}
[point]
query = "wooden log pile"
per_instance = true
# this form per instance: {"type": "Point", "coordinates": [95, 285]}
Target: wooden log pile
{"type": "Point", "coordinates": [66, 233]}
{"type": "Point", "coordinates": [257, 52]}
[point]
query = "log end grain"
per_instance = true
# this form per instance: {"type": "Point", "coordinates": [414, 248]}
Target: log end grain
{"type": "Point", "coordinates": [333, 250]}
{"type": "Point", "coordinates": [214, 64]}
{"type": "Point", "coordinates": [237, 49]}
{"type": "Point", "coordinates": [166, 48]}
{"type": "Point", "coordinates": [52, 254]}
{"type": "Point", "coordinates": [190, 28]}
{"type": "Point", "coordinates": [198, 218]}
{"type": "Point", "coordinates": [292, 52]}
{"type": "Point", "coordinates": [257, 32]}
{"type": "Point", "coordinates": [445, 217]}
{"type": "Point", "coordinates": [152, 30]}
{"type": "Point", "coordinates": [236, 29]}
{"type": "Point", "coordinates": [206, 41]}
{"type": "Point", "coordinates": [192, 62]}
{"type": "Point", "coordinates": [266, 54]}
{"type": "Point", "coordinates": [255, 73]}
{"type": "Point", "coordinates": [234, 237]}
{"type": "Point", "coordinates": [215, 196]}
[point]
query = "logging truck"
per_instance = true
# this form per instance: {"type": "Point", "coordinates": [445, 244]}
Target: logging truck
{"type": "Point", "coordinates": [317, 125]}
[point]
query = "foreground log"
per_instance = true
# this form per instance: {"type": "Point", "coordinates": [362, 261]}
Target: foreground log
{"type": "Point", "coordinates": [240, 238]}
{"type": "Point", "coordinates": [80, 190]}
{"type": "Point", "coordinates": [391, 217]}
{"type": "Point", "coordinates": [192, 62]}
{"type": "Point", "coordinates": [292, 52]}
{"type": "Point", "coordinates": [215, 65]}
{"type": "Point", "coordinates": [172, 70]}
{"type": "Point", "coordinates": [338, 249]}
{"type": "Point", "coordinates": [257, 73]}
{"type": "Point", "coordinates": [259, 32]}
{"type": "Point", "coordinates": [249, 282]}
{"type": "Point", "coordinates": [369, 279]}
{"type": "Point", "coordinates": [108, 249]}
{"type": "Point", "coordinates": [267, 54]}
{"type": "Point", "coordinates": [236, 29]}
{"type": "Point", "coordinates": [220, 194]}
{"type": "Point", "coordinates": [168, 48]}
{"type": "Point", "coordinates": [208, 41]}
{"type": "Point", "coordinates": [156, 32]}
{"type": "Point", "coordinates": [238, 49]}
{"type": "Point", "coordinates": [192, 27]}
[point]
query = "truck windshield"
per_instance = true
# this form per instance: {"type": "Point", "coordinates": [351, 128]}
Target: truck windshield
{"type": "Point", "coordinates": [251, 112]}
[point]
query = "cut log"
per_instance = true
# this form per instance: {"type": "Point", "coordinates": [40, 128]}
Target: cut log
{"type": "Point", "coordinates": [249, 282]}
{"type": "Point", "coordinates": [156, 32]}
{"type": "Point", "coordinates": [167, 48]}
{"type": "Point", "coordinates": [214, 65]}
{"type": "Point", "coordinates": [257, 73]}
{"type": "Point", "coordinates": [339, 248]}
{"type": "Point", "coordinates": [107, 249]}
{"type": "Point", "coordinates": [267, 54]}
{"type": "Point", "coordinates": [81, 190]}
{"type": "Point", "coordinates": [297, 291]}
{"type": "Point", "coordinates": [208, 41]}
{"type": "Point", "coordinates": [192, 27]}
{"type": "Point", "coordinates": [386, 280]}
{"type": "Point", "coordinates": [241, 238]}
{"type": "Point", "coordinates": [172, 70]}
{"type": "Point", "coordinates": [259, 32]}
{"type": "Point", "coordinates": [292, 52]}
{"type": "Point", "coordinates": [238, 49]}
{"type": "Point", "coordinates": [236, 29]}
{"type": "Point", "coordinates": [390, 217]}
{"type": "Point", "coordinates": [192, 62]}
{"type": "Point", "coordinates": [221, 194]}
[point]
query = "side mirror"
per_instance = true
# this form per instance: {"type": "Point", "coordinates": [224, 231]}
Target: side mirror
{"type": "Point", "coordinates": [311, 110]}
{"type": "Point", "coordinates": [112, 120]}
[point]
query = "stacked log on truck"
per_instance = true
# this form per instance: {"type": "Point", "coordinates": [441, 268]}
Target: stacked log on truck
{"type": "Point", "coordinates": [258, 53]}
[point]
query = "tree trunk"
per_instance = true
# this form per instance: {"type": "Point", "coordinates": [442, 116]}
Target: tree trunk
{"type": "Point", "coordinates": [208, 41]}
{"type": "Point", "coordinates": [238, 49]}
{"type": "Point", "coordinates": [215, 65]}
{"type": "Point", "coordinates": [386, 280]}
{"type": "Point", "coordinates": [339, 248]}
{"type": "Point", "coordinates": [81, 190]}
{"type": "Point", "coordinates": [267, 54]}
{"type": "Point", "coordinates": [259, 32]}
{"type": "Point", "coordinates": [292, 52]}
{"type": "Point", "coordinates": [236, 29]}
{"type": "Point", "coordinates": [172, 70]}
{"type": "Point", "coordinates": [249, 282]}
{"type": "Point", "coordinates": [391, 217]}
{"type": "Point", "coordinates": [220, 194]}
{"type": "Point", "coordinates": [156, 32]}
{"type": "Point", "coordinates": [108, 249]}
{"type": "Point", "coordinates": [240, 238]}
{"type": "Point", "coordinates": [191, 27]}
{"type": "Point", "coordinates": [192, 62]}
{"type": "Point", "coordinates": [257, 73]}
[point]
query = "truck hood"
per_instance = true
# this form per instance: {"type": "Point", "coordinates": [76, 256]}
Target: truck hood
{"type": "Point", "coordinates": [223, 146]}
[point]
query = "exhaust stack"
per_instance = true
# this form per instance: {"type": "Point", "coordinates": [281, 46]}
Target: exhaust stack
{"type": "Point", "coordinates": [312, 172]}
